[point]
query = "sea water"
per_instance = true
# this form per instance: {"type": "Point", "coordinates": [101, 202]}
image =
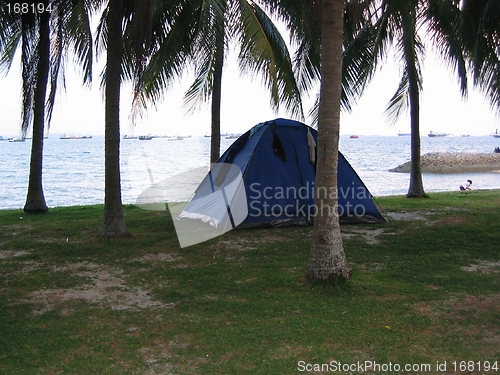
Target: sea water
{"type": "Point", "coordinates": [73, 170]}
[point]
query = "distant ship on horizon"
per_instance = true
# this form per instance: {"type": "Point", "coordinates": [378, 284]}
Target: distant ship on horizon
{"type": "Point", "coordinates": [401, 134]}
{"type": "Point", "coordinates": [74, 136]}
{"type": "Point", "coordinates": [432, 134]}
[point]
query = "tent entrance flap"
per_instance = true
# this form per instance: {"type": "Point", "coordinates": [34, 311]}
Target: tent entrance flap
{"type": "Point", "coordinates": [222, 201]}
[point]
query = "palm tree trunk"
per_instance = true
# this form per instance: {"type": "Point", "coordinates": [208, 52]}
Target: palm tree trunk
{"type": "Point", "coordinates": [113, 223]}
{"type": "Point", "coordinates": [35, 199]}
{"type": "Point", "coordinates": [327, 258]}
{"type": "Point", "coordinates": [416, 189]}
{"type": "Point", "coordinates": [216, 102]}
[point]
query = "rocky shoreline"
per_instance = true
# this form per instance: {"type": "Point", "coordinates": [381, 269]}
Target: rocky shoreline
{"type": "Point", "coordinates": [455, 162]}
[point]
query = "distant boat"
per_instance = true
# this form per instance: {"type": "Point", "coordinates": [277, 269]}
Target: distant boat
{"type": "Point", "coordinates": [16, 139]}
{"type": "Point", "coordinates": [2, 139]}
{"type": "Point", "coordinates": [432, 134]}
{"type": "Point", "coordinates": [465, 135]}
{"type": "Point", "coordinates": [175, 138]}
{"type": "Point", "coordinates": [145, 137]}
{"type": "Point", "coordinates": [354, 136]}
{"type": "Point", "coordinates": [129, 137]}
{"type": "Point", "coordinates": [222, 135]}
{"type": "Point", "coordinates": [403, 134]}
{"type": "Point", "coordinates": [496, 134]}
{"type": "Point", "coordinates": [74, 136]}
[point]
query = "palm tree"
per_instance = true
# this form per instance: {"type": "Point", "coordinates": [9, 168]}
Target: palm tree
{"type": "Point", "coordinates": [337, 50]}
{"type": "Point", "coordinates": [212, 25]}
{"type": "Point", "coordinates": [208, 55]}
{"type": "Point", "coordinates": [399, 23]}
{"type": "Point", "coordinates": [327, 258]}
{"type": "Point", "coordinates": [371, 29]}
{"type": "Point", "coordinates": [35, 200]}
{"type": "Point", "coordinates": [59, 24]}
{"type": "Point", "coordinates": [113, 223]}
{"type": "Point", "coordinates": [131, 31]}
{"type": "Point", "coordinates": [32, 31]}
{"type": "Point", "coordinates": [336, 45]}
{"type": "Point", "coordinates": [158, 38]}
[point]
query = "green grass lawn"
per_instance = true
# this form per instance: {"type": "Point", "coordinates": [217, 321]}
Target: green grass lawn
{"type": "Point", "coordinates": [425, 290]}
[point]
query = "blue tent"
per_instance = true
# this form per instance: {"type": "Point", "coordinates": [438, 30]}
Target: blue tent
{"type": "Point", "coordinates": [276, 163]}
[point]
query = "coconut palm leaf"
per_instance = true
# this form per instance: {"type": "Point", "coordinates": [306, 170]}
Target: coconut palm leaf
{"type": "Point", "coordinates": [29, 60]}
{"type": "Point", "coordinates": [174, 29]}
{"type": "Point", "coordinates": [480, 33]}
{"type": "Point", "coordinates": [210, 38]}
{"type": "Point", "coordinates": [263, 51]}
{"type": "Point", "coordinates": [359, 58]}
{"type": "Point", "coordinates": [359, 63]}
{"type": "Point", "coordinates": [443, 26]}
{"type": "Point", "coordinates": [399, 103]}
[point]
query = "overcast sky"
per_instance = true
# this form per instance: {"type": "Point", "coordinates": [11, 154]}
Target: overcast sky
{"type": "Point", "coordinates": [245, 103]}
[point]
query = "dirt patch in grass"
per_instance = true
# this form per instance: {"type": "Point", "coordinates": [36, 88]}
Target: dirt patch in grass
{"type": "Point", "coordinates": [17, 227]}
{"type": "Point", "coordinates": [452, 220]}
{"type": "Point", "coordinates": [483, 266]}
{"type": "Point", "coordinates": [239, 244]}
{"type": "Point", "coordinates": [250, 241]}
{"type": "Point", "coordinates": [425, 217]}
{"type": "Point", "coordinates": [106, 287]}
{"type": "Point", "coordinates": [370, 235]}
{"type": "Point", "coordinates": [367, 267]}
{"type": "Point", "coordinates": [162, 357]}
{"type": "Point", "coordinates": [410, 216]}
{"type": "Point", "coordinates": [161, 257]}
{"type": "Point", "coordinates": [481, 303]}
{"type": "Point", "coordinates": [12, 253]}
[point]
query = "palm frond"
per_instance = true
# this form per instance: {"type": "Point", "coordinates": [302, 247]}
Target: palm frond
{"type": "Point", "coordinates": [263, 50]}
{"type": "Point", "coordinates": [307, 61]}
{"type": "Point", "coordinates": [481, 36]}
{"type": "Point", "coordinates": [10, 38]}
{"type": "Point", "coordinates": [399, 103]}
{"type": "Point", "coordinates": [78, 27]}
{"type": "Point", "coordinates": [314, 111]}
{"type": "Point", "coordinates": [359, 63]}
{"type": "Point", "coordinates": [443, 29]}
{"type": "Point", "coordinates": [210, 44]}
{"type": "Point", "coordinates": [29, 62]}
{"type": "Point", "coordinates": [173, 32]}
{"type": "Point", "coordinates": [201, 89]}
{"type": "Point", "coordinates": [57, 49]}
{"type": "Point", "coordinates": [101, 33]}
{"type": "Point", "coordinates": [137, 36]}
